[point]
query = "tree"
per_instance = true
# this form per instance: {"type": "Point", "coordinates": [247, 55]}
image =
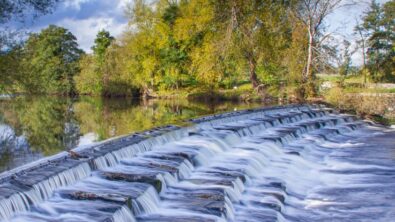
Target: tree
{"type": "Point", "coordinates": [17, 9]}
{"type": "Point", "coordinates": [87, 81]}
{"type": "Point", "coordinates": [312, 14]}
{"type": "Point", "coordinates": [195, 31]}
{"type": "Point", "coordinates": [102, 42]}
{"type": "Point", "coordinates": [388, 23]}
{"type": "Point", "coordinates": [102, 73]}
{"type": "Point", "coordinates": [143, 41]}
{"type": "Point", "coordinates": [295, 57]}
{"type": "Point", "coordinates": [379, 24]}
{"type": "Point", "coordinates": [249, 27]}
{"type": "Point", "coordinates": [9, 45]}
{"type": "Point", "coordinates": [50, 61]}
{"type": "Point", "coordinates": [345, 59]}
{"type": "Point", "coordinates": [9, 69]}
{"type": "Point", "coordinates": [362, 42]}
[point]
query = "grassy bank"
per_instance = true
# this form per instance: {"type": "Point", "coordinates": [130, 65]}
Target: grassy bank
{"type": "Point", "coordinates": [370, 101]}
{"type": "Point", "coordinates": [243, 92]}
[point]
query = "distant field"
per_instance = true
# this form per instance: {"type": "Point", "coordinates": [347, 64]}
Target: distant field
{"type": "Point", "coordinates": [354, 84]}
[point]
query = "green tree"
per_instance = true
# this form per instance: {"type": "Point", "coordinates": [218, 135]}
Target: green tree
{"type": "Point", "coordinates": [388, 38]}
{"type": "Point", "coordinates": [258, 31]}
{"type": "Point", "coordinates": [102, 42]}
{"type": "Point", "coordinates": [379, 22]}
{"type": "Point", "coordinates": [94, 76]}
{"type": "Point", "coordinates": [87, 81]}
{"type": "Point", "coordinates": [10, 69]}
{"type": "Point", "coordinates": [50, 61]}
{"type": "Point", "coordinates": [144, 60]}
{"type": "Point", "coordinates": [195, 29]}
{"type": "Point", "coordinates": [345, 60]}
{"type": "Point", "coordinates": [362, 43]}
{"type": "Point", "coordinates": [9, 50]}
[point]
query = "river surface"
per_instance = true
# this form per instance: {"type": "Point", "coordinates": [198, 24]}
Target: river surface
{"type": "Point", "coordinates": [297, 163]}
{"type": "Point", "coordinates": [35, 127]}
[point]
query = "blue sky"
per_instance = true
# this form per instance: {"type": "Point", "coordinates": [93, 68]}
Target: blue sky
{"type": "Point", "coordinates": [84, 18]}
{"type": "Point", "coordinates": [342, 22]}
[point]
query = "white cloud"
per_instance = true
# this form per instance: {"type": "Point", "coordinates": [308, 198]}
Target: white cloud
{"type": "Point", "coordinates": [341, 24]}
{"type": "Point", "coordinates": [86, 30]}
{"type": "Point", "coordinates": [74, 3]}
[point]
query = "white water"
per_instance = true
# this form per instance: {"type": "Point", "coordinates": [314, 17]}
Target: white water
{"type": "Point", "coordinates": [236, 168]}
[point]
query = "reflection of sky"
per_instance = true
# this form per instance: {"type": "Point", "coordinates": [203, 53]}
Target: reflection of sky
{"type": "Point", "coordinates": [7, 137]}
{"type": "Point", "coordinates": [30, 134]}
{"type": "Point", "coordinates": [14, 149]}
{"type": "Point", "coordinates": [87, 139]}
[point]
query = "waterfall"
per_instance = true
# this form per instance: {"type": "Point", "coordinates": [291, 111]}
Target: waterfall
{"type": "Point", "coordinates": [21, 201]}
{"type": "Point", "coordinates": [292, 163]}
{"type": "Point", "coordinates": [124, 215]}
{"type": "Point", "coordinates": [147, 202]}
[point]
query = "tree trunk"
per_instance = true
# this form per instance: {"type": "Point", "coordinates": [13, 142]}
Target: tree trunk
{"type": "Point", "coordinates": [364, 63]}
{"type": "Point", "coordinates": [309, 58]}
{"type": "Point", "coordinates": [308, 78]}
{"type": "Point", "coordinates": [253, 76]}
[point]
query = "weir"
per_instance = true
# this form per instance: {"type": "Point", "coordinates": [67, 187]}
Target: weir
{"type": "Point", "coordinates": [286, 163]}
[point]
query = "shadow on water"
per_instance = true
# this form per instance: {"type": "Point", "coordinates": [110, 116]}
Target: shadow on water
{"type": "Point", "coordinates": [33, 127]}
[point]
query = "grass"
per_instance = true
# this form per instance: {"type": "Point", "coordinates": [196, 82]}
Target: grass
{"type": "Point", "coordinates": [349, 95]}
{"type": "Point", "coordinates": [368, 90]}
{"type": "Point", "coordinates": [374, 107]}
{"type": "Point", "coordinates": [243, 92]}
{"type": "Point", "coordinates": [353, 83]}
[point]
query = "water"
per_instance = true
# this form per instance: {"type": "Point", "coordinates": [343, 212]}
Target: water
{"type": "Point", "coordinates": [290, 164]}
{"type": "Point", "coordinates": [35, 127]}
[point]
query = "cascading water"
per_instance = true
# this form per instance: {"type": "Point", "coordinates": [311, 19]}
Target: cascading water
{"type": "Point", "coordinates": [295, 163]}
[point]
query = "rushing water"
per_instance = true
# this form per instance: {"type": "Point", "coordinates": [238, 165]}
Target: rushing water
{"type": "Point", "coordinates": [33, 127]}
{"type": "Point", "coordinates": [288, 164]}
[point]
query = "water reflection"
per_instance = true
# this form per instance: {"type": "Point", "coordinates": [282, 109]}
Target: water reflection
{"type": "Point", "coordinates": [32, 127]}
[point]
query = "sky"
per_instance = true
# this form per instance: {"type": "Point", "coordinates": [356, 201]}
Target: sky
{"type": "Point", "coordinates": [342, 21]}
{"type": "Point", "coordinates": [84, 18]}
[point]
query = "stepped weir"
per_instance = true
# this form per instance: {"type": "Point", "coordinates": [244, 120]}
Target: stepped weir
{"type": "Point", "coordinates": [287, 163]}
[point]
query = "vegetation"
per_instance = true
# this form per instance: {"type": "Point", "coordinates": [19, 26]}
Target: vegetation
{"type": "Point", "coordinates": [10, 9]}
{"type": "Point", "coordinates": [199, 46]}
{"type": "Point", "coordinates": [377, 41]}
{"type": "Point", "coordinates": [50, 60]}
{"type": "Point", "coordinates": [376, 106]}
{"type": "Point", "coordinates": [19, 10]}
{"type": "Point", "coordinates": [68, 119]}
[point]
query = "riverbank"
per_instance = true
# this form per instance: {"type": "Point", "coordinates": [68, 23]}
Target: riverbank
{"type": "Point", "coordinates": [244, 93]}
{"type": "Point", "coordinates": [132, 174]}
{"type": "Point", "coordinates": [374, 101]}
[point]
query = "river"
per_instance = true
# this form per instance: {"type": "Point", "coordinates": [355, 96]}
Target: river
{"type": "Point", "coordinates": [34, 127]}
{"type": "Point", "coordinates": [294, 163]}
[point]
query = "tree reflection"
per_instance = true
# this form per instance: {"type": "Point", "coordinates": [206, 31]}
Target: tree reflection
{"type": "Point", "coordinates": [46, 122]}
{"type": "Point", "coordinates": [52, 124]}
